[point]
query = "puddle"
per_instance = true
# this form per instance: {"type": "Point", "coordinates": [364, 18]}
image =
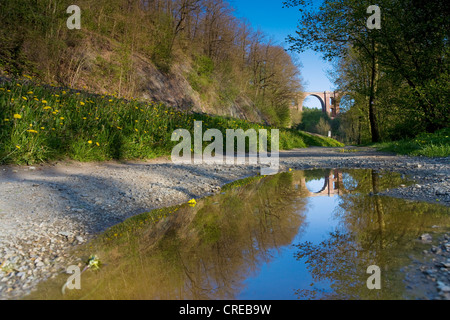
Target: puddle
{"type": "Point", "coordinates": [296, 235]}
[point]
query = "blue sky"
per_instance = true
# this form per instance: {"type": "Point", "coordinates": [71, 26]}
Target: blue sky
{"type": "Point", "coordinates": [277, 23]}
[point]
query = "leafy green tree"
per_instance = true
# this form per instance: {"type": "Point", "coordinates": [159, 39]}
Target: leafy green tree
{"type": "Point", "coordinates": [402, 66]}
{"type": "Point", "coordinates": [334, 28]}
{"type": "Point", "coordinates": [311, 118]}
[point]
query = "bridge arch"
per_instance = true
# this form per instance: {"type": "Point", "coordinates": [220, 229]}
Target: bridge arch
{"type": "Point", "coordinates": [319, 98]}
{"type": "Point", "coordinates": [330, 101]}
{"type": "Point", "coordinates": [332, 185]}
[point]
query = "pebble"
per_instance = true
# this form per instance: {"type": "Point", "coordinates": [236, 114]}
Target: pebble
{"type": "Point", "coordinates": [426, 237]}
{"type": "Point", "coordinates": [443, 287]}
{"type": "Point", "coordinates": [65, 234]}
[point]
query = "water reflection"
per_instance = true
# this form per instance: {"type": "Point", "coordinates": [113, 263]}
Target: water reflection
{"type": "Point", "coordinates": [328, 185]}
{"type": "Point", "coordinates": [372, 230]}
{"type": "Point", "coordinates": [265, 238]}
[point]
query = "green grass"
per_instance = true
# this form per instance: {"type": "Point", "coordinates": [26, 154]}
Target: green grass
{"type": "Point", "coordinates": [319, 141]}
{"type": "Point", "coordinates": [40, 123]}
{"type": "Point", "coordinates": [427, 145]}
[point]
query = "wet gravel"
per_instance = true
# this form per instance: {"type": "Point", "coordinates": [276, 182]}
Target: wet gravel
{"type": "Point", "coordinates": [48, 210]}
{"type": "Point", "coordinates": [429, 274]}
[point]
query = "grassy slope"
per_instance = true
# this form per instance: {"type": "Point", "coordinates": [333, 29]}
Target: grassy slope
{"type": "Point", "coordinates": [43, 123]}
{"type": "Point", "coordinates": [428, 145]}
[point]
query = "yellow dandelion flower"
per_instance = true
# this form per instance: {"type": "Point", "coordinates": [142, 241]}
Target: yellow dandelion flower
{"type": "Point", "coordinates": [44, 101]}
{"type": "Point", "coordinates": [25, 98]}
{"type": "Point", "coordinates": [32, 131]}
{"type": "Point", "coordinates": [6, 120]}
{"type": "Point", "coordinates": [90, 141]}
{"type": "Point", "coordinates": [82, 103]}
{"type": "Point", "coordinates": [192, 203]}
{"type": "Point", "coordinates": [47, 108]}
{"type": "Point", "coordinates": [98, 144]}
{"type": "Point", "coordinates": [18, 147]}
{"type": "Point", "coordinates": [62, 118]}
{"type": "Point", "coordinates": [17, 116]}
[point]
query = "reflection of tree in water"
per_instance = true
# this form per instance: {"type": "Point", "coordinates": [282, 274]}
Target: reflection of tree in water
{"type": "Point", "coordinates": [208, 251]}
{"type": "Point", "coordinates": [204, 252]}
{"type": "Point", "coordinates": [373, 230]}
{"type": "Point", "coordinates": [317, 174]}
{"type": "Point", "coordinates": [330, 260]}
{"type": "Point", "coordinates": [228, 242]}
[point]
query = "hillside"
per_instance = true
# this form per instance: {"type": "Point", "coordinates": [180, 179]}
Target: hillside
{"type": "Point", "coordinates": [44, 123]}
{"type": "Point", "coordinates": [189, 54]}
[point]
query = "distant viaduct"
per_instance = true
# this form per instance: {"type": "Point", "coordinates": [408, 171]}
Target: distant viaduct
{"type": "Point", "coordinates": [330, 101]}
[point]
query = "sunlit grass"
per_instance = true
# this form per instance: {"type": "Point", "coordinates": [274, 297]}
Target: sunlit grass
{"type": "Point", "coordinates": [427, 145]}
{"type": "Point", "coordinates": [40, 123]}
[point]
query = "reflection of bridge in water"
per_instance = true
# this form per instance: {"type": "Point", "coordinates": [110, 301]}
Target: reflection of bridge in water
{"type": "Point", "coordinates": [333, 185]}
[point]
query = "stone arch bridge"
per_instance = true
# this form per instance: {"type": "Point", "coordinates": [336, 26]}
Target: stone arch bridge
{"type": "Point", "coordinates": [330, 101]}
{"type": "Point", "coordinates": [333, 185]}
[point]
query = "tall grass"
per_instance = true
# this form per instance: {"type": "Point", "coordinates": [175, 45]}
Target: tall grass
{"type": "Point", "coordinates": [41, 123]}
{"type": "Point", "coordinates": [427, 144]}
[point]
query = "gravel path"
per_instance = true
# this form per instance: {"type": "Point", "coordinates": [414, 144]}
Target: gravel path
{"type": "Point", "coordinates": [47, 210]}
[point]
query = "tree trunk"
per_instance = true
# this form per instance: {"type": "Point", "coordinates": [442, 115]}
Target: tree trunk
{"type": "Point", "coordinates": [372, 97]}
{"type": "Point", "coordinates": [378, 208]}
